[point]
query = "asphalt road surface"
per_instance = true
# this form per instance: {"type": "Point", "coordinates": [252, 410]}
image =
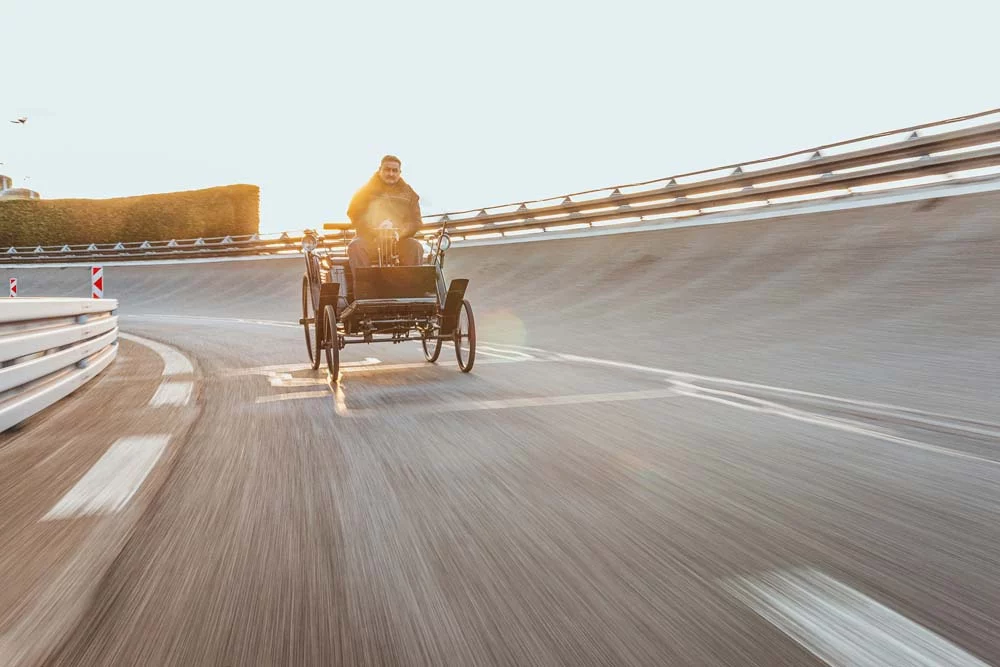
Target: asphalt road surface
{"type": "Point", "coordinates": [769, 443]}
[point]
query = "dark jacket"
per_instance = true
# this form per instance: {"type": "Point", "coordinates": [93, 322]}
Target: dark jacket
{"type": "Point", "coordinates": [377, 201]}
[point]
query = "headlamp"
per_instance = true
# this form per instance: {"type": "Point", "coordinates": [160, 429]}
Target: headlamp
{"type": "Point", "coordinates": [309, 242]}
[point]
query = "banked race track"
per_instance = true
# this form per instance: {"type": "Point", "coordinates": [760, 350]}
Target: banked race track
{"type": "Point", "coordinates": [766, 442]}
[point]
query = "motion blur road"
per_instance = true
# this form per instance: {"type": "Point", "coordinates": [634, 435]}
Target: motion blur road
{"type": "Point", "coordinates": [767, 443]}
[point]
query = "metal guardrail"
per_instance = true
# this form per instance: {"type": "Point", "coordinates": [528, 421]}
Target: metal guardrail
{"type": "Point", "coordinates": [957, 148]}
{"type": "Point", "coordinates": [50, 348]}
{"type": "Point", "coordinates": [177, 249]}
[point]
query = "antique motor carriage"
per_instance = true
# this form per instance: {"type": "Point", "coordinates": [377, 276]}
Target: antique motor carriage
{"type": "Point", "coordinates": [383, 303]}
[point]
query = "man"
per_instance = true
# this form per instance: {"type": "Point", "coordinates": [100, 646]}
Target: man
{"type": "Point", "coordinates": [386, 196]}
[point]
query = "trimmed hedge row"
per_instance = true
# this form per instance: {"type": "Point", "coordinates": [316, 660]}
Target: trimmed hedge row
{"type": "Point", "coordinates": [212, 212]}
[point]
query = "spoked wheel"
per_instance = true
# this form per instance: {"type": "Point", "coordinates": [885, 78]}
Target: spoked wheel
{"type": "Point", "coordinates": [331, 342]}
{"type": "Point", "coordinates": [306, 302]}
{"type": "Point", "coordinates": [432, 348]}
{"type": "Point", "coordinates": [465, 338]}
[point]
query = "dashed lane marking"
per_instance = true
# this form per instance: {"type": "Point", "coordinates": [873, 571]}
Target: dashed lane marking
{"type": "Point", "coordinates": [113, 480]}
{"type": "Point", "coordinates": [174, 363]}
{"type": "Point", "coordinates": [841, 626]}
{"type": "Point", "coordinates": [172, 393]}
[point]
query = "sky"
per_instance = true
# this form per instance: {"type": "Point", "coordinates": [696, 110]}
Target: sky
{"type": "Point", "coordinates": [485, 103]}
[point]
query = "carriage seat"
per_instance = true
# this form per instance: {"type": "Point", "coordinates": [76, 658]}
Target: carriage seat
{"type": "Point", "coordinates": [340, 272]}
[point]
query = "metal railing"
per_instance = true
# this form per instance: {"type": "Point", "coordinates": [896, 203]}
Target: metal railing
{"type": "Point", "coordinates": [953, 149]}
{"type": "Point", "coordinates": [50, 348]}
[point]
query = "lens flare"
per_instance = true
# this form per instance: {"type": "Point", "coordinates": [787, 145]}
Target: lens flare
{"type": "Point", "coordinates": [502, 326]}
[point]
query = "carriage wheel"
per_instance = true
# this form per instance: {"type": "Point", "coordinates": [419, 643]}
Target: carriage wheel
{"type": "Point", "coordinates": [331, 342]}
{"type": "Point", "coordinates": [465, 338]}
{"type": "Point", "coordinates": [315, 279]}
{"type": "Point", "coordinates": [306, 298]}
{"type": "Point", "coordinates": [432, 353]}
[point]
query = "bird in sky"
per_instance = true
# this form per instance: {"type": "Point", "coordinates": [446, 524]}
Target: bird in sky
{"type": "Point", "coordinates": [22, 120]}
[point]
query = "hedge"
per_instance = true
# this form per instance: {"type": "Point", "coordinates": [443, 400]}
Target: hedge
{"type": "Point", "coordinates": [212, 212]}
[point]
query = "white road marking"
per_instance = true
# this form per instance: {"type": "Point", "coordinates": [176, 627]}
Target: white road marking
{"type": "Point", "coordinates": [509, 353]}
{"type": "Point", "coordinates": [172, 393]}
{"type": "Point", "coordinates": [223, 320]}
{"type": "Point", "coordinates": [513, 403]}
{"type": "Point", "coordinates": [266, 370]}
{"type": "Point", "coordinates": [682, 381]}
{"type": "Point", "coordinates": [291, 368]}
{"type": "Point", "coordinates": [420, 364]}
{"type": "Point", "coordinates": [288, 381]}
{"type": "Point", "coordinates": [466, 406]}
{"type": "Point", "coordinates": [486, 350]}
{"type": "Point", "coordinates": [296, 395]}
{"type": "Point", "coordinates": [520, 347]}
{"type": "Point", "coordinates": [281, 376]}
{"type": "Point", "coordinates": [482, 350]}
{"type": "Point", "coordinates": [841, 626]}
{"type": "Point", "coordinates": [174, 363]}
{"type": "Point", "coordinates": [491, 351]}
{"type": "Point", "coordinates": [752, 404]}
{"type": "Point", "coordinates": [113, 480]}
{"type": "Point", "coordinates": [384, 367]}
{"type": "Point", "coordinates": [917, 415]}
{"type": "Point", "coordinates": [508, 349]}
{"type": "Point", "coordinates": [923, 417]}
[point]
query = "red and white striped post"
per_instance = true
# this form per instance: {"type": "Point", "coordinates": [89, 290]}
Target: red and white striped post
{"type": "Point", "coordinates": [13, 287]}
{"type": "Point", "coordinates": [97, 282]}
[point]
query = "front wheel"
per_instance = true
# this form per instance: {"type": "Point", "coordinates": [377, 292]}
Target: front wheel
{"type": "Point", "coordinates": [331, 342]}
{"type": "Point", "coordinates": [465, 337]}
{"type": "Point", "coordinates": [432, 349]}
{"type": "Point", "coordinates": [313, 352]}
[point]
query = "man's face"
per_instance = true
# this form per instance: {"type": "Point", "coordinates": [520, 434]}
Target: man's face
{"type": "Point", "coordinates": [389, 171]}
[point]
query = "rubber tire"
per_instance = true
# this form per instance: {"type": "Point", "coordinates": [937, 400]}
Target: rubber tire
{"type": "Point", "coordinates": [332, 343]}
{"type": "Point", "coordinates": [432, 356]}
{"type": "Point", "coordinates": [467, 365]}
{"type": "Point", "coordinates": [306, 299]}
{"type": "Point", "coordinates": [315, 278]}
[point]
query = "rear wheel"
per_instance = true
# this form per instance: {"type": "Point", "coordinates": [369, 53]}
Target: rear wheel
{"type": "Point", "coordinates": [432, 347]}
{"type": "Point", "coordinates": [306, 301]}
{"type": "Point", "coordinates": [465, 337]}
{"type": "Point", "coordinates": [331, 342]}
